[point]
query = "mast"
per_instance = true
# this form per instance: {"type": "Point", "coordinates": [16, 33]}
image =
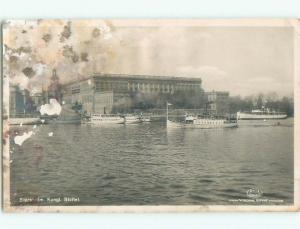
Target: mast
{"type": "Point", "coordinates": [167, 111]}
{"type": "Point", "coordinates": [24, 102]}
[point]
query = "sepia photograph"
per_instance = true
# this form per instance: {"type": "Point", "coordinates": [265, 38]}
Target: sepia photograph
{"type": "Point", "coordinates": [150, 115]}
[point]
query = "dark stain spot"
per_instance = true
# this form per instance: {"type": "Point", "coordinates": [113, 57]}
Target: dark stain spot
{"type": "Point", "coordinates": [66, 33]}
{"type": "Point", "coordinates": [68, 52]}
{"type": "Point", "coordinates": [96, 32]}
{"type": "Point", "coordinates": [23, 49]}
{"type": "Point", "coordinates": [24, 31]}
{"type": "Point", "coordinates": [29, 72]}
{"type": "Point", "coordinates": [75, 58]}
{"type": "Point", "coordinates": [84, 56]}
{"type": "Point", "coordinates": [47, 37]}
{"type": "Point", "coordinates": [110, 25]}
{"type": "Point", "coordinates": [13, 59]}
{"type": "Point", "coordinates": [87, 42]}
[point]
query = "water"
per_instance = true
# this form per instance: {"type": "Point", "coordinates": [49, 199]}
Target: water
{"type": "Point", "coordinates": [146, 164]}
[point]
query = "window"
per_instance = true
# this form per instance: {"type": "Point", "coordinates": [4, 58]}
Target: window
{"type": "Point", "coordinates": [75, 90]}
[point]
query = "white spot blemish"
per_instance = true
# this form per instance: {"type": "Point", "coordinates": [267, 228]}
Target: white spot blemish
{"type": "Point", "coordinates": [10, 161]}
{"type": "Point", "coordinates": [42, 120]}
{"type": "Point", "coordinates": [50, 134]}
{"type": "Point", "coordinates": [21, 124]}
{"type": "Point", "coordinates": [107, 36]}
{"type": "Point", "coordinates": [53, 108]}
{"type": "Point", "coordinates": [20, 139]}
{"type": "Point", "coordinates": [21, 80]}
{"type": "Point", "coordinates": [89, 82]}
{"type": "Point", "coordinates": [63, 102]}
{"type": "Point", "coordinates": [40, 68]}
{"type": "Point", "coordinates": [34, 91]}
{"type": "Point", "coordinates": [34, 126]}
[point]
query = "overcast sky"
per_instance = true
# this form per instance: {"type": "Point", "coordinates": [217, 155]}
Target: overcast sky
{"type": "Point", "coordinates": [241, 60]}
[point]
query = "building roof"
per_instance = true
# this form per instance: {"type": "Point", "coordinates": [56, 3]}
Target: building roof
{"type": "Point", "coordinates": [135, 77]}
{"type": "Point", "coordinates": [149, 77]}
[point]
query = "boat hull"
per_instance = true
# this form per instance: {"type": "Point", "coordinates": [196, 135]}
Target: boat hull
{"type": "Point", "coordinates": [107, 122]}
{"type": "Point", "coordinates": [101, 119]}
{"type": "Point", "coordinates": [211, 126]}
{"type": "Point", "coordinates": [246, 116]}
{"type": "Point", "coordinates": [132, 120]}
{"type": "Point", "coordinates": [23, 121]}
{"type": "Point", "coordinates": [202, 125]}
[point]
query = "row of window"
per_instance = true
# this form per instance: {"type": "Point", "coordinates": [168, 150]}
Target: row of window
{"type": "Point", "coordinates": [75, 90]}
{"type": "Point", "coordinates": [148, 87]}
{"type": "Point", "coordinates": [121, 86]}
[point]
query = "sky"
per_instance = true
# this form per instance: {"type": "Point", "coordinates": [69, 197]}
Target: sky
{"type": "Point", "coordinates": [241, 60]}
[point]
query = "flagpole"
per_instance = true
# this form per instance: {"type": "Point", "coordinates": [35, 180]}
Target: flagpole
{"type": "Point", "coordinates": [167, 111]}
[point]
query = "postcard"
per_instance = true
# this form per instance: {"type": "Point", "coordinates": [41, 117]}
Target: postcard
{"type": "Point", "coordinates": [150, 115]}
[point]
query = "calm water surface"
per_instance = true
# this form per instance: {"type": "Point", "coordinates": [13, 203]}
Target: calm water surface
{"type": "Point", "coordinates": [146, 164]}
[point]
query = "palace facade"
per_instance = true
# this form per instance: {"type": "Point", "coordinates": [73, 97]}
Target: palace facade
{"type": "Point", "coordinates": [100, 92]}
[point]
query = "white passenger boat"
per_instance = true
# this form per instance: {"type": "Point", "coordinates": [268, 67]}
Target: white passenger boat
{"type": "Point", "coordinates": [261, 114]}
{"type": "Point", "coordinates": [132, 119]}
{"type": "Point", "coordinates": [200, 122]}
{"type": "Point", "coordinates": [106, 119]}
{"type": "Point", "coordinates": [209, 123]}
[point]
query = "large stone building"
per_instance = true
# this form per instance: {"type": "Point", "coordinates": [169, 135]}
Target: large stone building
{"type": "Point", "coordinates": [98, 93]}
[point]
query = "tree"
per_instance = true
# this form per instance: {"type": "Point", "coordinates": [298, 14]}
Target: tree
{"type": "Point", "coordinates": [236, 104]}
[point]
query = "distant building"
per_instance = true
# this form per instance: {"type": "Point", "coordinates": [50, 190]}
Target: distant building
{"type": "Point", "coordinates": [218, 102]}
{"type": "Point", "coordinates": [19, 102]}
{"type": "Point", "coordinates": [99, 93]}
{"type": "Point", "coordinates": [38, 99]}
